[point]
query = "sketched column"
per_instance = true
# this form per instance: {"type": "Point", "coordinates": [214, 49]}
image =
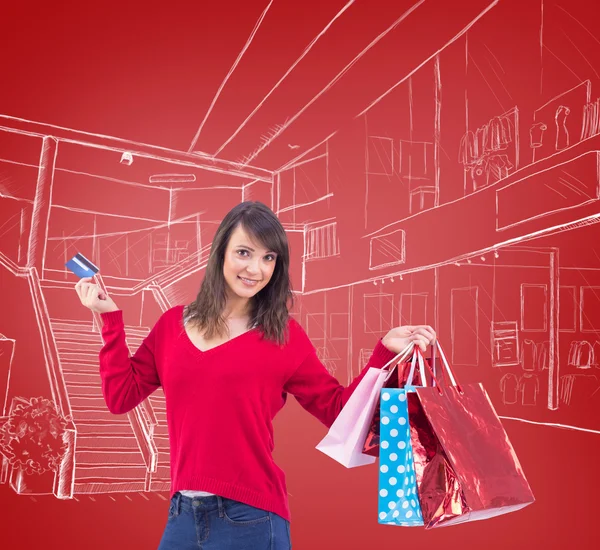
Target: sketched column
{"type": "Point", "coordinates": [553, 356]}
{"type": "Point", "coordinates": [36, 251]}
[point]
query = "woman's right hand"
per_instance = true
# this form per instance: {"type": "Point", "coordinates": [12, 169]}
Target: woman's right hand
{"type": "Point", "coordinates": [93, 297]}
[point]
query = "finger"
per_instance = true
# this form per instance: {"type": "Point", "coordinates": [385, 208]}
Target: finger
{"type": "Point", "coordinates": [428, 332]}
{"type": "Point", "coordinates": [433, 333]}
{"type": "Point", "coordinates": [83, 281]}
{"type": "Point", "coordinates": [80, 284]}
{"type": "Point", "coordinates": [425, 332]}
{"type": "Point", "coordinates": [83, 291]}
{"type": "Point", "coordinates": [89, 292]}
{"type": "Point", "coordinates": [420, 341]}
{"type": "Point", "coordinates": [95, 293]}
{"type": "Point", "coordinates": [422, 345]}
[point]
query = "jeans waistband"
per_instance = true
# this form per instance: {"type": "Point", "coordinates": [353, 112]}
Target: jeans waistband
{"type": "Point", "coordinates": [208, 503]}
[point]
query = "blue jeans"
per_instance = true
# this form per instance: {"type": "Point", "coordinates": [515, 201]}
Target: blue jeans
{"type": "Point", "coordinates": [216, 523]}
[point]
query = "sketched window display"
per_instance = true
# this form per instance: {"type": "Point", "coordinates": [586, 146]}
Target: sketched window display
{"type": "Point", "coordinates": [509, 386]}
{"type": "Point", "coordinates": [505, 344]}
{"type": "Point", "coordinates": [325, 358]}
{"type": "Point", "coordinates": [529, 387]}
{"type": "Point", "coordinates": [482, 153]}
{"type": "Point", "coordinates": [581, 355]}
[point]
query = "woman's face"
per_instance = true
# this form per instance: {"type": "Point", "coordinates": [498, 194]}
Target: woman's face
{"type": "Point", "coordinates": [248, 267]}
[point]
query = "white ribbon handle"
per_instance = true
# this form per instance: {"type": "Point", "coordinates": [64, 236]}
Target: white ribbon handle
{"type": "Point", "coordinates": [417, 358]}
{"type": "Point", "coordinates": [446, 365]}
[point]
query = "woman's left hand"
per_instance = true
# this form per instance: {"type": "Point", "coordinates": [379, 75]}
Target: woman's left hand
{"type": "Point", "coordinates": [397, 339]}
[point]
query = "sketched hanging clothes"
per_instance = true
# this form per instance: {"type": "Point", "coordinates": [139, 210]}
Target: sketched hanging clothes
{"type": "Point", "coordinates": [467, 152]}
{"type": "Point", "coordinates": [499, 137]}
{"type": "Point", "coordinates": [536, 134]}
{"type": "Point", "coordinates": [581, 355]}
{"type": "Point", "coordinates": [565, 385]}
{"type": "Point", "coordinates": [529, 386]}
{"type": "Point", "coordinates": [585, 355]}
{"type": "Point", "coordinates": [509, 386]}
{"type": "Point", "coordinates": [498, 167]}
{"type": "Point", "coordinates": [573, 354]}
{"type": "Point", "coordinates": [596, 350]}
{"type": "Point", "coordinates": [528, 355]}
{"type": "Point", "coordinates": [590, 120]}
{"type": "Point", "coordinates": [562, 132]}
{"type": "Point", "coordinates": [482, 140]}
{"type": "Point", "coordinates": [542, 356]}
{"type": "Point", "coordinates": [506, 129]}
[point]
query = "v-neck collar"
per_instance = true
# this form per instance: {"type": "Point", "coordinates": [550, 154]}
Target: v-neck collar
{"type": "Point", "coordinates": [214, 349]}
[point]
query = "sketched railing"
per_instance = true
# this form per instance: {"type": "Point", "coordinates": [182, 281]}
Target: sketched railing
{"type": "Point", "coordinates": [166, 277]}
{"type": "Point", "coordinates": [142, 418]}
{"type": "Point", "coordinates": [63, 484]}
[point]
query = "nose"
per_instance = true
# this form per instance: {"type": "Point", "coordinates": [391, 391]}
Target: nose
{"type": "Point", "coordinates": [252, 267]}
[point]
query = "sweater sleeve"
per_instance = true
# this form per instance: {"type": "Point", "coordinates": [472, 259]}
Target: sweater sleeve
{"type": "Point", "coordinates": [320, 393]}
{"type": "Point", "coordinates": [126, 380]}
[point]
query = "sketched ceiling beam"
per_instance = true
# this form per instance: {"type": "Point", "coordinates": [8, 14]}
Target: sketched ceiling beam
{"type": "Point", "coordinates": [100, 141]}
{"type": "Point", "coordinates": [228, 75]}
{"type": "Point", "coordinates": [345, 95]}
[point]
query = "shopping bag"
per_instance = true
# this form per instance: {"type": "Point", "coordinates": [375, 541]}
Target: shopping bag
{"type": "Point", "coordinates": [465, 465]}
{"type": "Point", "coordinates": [344, 441]}
{"type": "Point", "coordinates": [397, 379]}
{"type": "Point", "coordinates": [398, 501]}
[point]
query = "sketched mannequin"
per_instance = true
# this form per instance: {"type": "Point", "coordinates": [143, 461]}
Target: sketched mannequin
{"type": "Point", "coordinates": [226, 363]}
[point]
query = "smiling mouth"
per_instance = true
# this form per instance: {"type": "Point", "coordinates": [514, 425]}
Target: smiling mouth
{"type": "Point", "coordinates": [248, 281]}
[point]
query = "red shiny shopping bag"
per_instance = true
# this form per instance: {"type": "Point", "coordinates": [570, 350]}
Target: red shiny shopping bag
{"type": "Point", "coordinates": [465, 465]}
{"type": "Point", "coordinates": [397, 379]}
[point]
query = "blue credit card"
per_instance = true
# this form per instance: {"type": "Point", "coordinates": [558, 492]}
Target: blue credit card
{"type": "Point", "coordinates": [81, 266]}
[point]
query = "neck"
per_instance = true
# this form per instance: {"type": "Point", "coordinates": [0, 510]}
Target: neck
{"type": "Point", "coordinates": [237, 308]}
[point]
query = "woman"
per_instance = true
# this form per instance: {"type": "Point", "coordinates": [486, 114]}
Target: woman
{"type": "Point", "coordinates": [226, 363]}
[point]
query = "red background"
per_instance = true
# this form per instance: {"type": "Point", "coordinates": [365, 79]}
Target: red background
{"type": "Point", "coordinates": [347, 119]}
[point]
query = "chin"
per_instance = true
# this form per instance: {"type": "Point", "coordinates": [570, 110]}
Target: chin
{"type": "Point", "coordinates": [247, 292]}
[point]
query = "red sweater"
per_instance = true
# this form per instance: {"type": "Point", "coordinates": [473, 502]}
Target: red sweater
{"type": "Point", "coordinates": [221, 402]}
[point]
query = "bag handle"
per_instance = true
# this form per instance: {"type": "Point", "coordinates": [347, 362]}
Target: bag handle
{"type": "Point", "coordinates": [447, 367]}
{"type": "Point", "coordinates": [416, 358]}
{"type": "Point", "coordinates": [447, 371]}
{"type": "Point", "coordinates": [398, 358]}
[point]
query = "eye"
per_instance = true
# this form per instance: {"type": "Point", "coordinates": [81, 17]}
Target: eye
{"type": "Point", "coordinates": [243, 252]}
{"type": "Point", "coordinates": [270, 257]}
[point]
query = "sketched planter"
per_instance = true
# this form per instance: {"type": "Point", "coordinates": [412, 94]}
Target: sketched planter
{"type": "Point", "coordinates": [32, 440]}
{"type": "Point", "coordinates": [31, 484]}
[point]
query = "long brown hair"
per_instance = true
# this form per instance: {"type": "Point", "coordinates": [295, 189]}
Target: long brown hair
{"type": "Point", "coordinates": [269, 308]}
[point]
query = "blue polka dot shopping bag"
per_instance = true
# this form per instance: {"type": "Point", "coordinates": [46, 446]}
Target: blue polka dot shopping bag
{"type": "Point", "coordinates": [398, 496]}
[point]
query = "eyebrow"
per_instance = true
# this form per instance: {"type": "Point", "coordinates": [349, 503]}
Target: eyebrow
{"type": "Point", "coordinates": [252, 249]}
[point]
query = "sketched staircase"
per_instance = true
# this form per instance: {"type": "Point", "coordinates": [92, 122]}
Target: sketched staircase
{"type": "Point", "coordinates": [113, 453]}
